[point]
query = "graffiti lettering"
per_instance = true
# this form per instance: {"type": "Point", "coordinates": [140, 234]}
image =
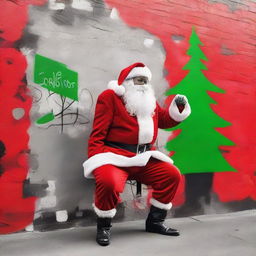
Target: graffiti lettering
{"type": "Point", "coordinates": [57, 81]}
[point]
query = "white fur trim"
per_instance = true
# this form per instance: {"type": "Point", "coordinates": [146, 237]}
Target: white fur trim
{"type": "Point", "coordinates": [118, 89]}
{"type": "Point", "coordinates": [104, 214]}
{"type": "Point", "coordinates": [174, 111]}
{"type": "Point", "coordinates": [121, 161]}
{"type": "Point", "coordinates": [160, 205]}
{"type": "Point", "coordinates": [146, 129]}
{"type": "Point", "coordinates": [140, 71]}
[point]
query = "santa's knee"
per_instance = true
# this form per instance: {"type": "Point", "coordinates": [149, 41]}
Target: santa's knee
{"type": "Point", "coordinates": [177, 175]}
{"type": "Point", "coordinates": [174, 175]}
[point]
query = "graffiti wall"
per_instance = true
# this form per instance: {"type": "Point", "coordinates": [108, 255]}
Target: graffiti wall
{"type": "Point", "coordinates": [58, 55]}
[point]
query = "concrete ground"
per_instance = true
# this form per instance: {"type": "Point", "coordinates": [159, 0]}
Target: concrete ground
{"type": "Point", "coordinates": [232, 234]}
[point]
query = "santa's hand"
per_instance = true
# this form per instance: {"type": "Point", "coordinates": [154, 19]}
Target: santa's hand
{"type": "Point", "coordinates": [179, 108]}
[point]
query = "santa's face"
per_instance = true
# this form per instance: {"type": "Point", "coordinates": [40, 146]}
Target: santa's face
{"type": "Point", "coordinates": [139, 97]}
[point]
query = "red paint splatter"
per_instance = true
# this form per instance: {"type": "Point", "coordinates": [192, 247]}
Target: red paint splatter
{"type": "Point", "coordinates": [15, 211]}
{"type": "Point", "coordinates": [219, 29]}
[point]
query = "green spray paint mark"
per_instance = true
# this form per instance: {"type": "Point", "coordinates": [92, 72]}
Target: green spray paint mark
{"type": "Point", "coordinates": [45, 119]}
{"type": "Point", "coordinates": [197, 146]}
{"type": "Point", "coordinates": [56, 77]}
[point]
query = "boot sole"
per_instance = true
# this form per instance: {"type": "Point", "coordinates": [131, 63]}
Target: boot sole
{"type": "Point", "coordinates": [103, 243]}
{"type": "Point", "coordinates": [163, 233]}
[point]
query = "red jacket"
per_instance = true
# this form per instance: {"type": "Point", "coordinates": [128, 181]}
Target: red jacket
{"type": "Point", "coordinates": [112, 122]}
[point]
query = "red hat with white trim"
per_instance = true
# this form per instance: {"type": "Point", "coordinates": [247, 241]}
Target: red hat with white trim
{"type": "Point", "coordinates": [134, 70]}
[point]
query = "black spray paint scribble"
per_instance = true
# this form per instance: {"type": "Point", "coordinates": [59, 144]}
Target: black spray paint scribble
{"type": "Point", "coordinates": [68, 115]}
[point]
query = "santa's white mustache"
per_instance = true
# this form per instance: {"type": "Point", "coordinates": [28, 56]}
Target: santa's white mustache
{"type": "Point", "coordinates": [141, 88]}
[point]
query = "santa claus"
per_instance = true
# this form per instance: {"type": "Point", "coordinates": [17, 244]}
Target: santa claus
{"type": "Point", "coordinates": [121, 147]}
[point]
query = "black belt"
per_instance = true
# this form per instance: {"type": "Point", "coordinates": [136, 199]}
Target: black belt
{"type": "Point", "coordinates": [135, 148]}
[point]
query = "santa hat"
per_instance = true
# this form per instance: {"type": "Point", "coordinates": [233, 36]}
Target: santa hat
{"type": "Point", "coordinates": [136, 69]}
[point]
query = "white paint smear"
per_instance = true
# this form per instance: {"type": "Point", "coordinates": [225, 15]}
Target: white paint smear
{"type": "Point", "coordinates": [114, 14]}
{"type": "Point", "coordinates": [56, 6]}
{"type": "Point", "coordinates": [62, 216]}
{"type": "Point", "coordinates": [29, 228]}
{"type": "Point", "coordinates": [148, 42]}
{"type": "Point", "coordinates": [51, 185]}
{"type": "Point", "coordinates": [82, 5]}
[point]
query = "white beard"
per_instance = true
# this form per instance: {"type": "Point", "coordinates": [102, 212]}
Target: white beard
{"type": "Point", "coordinates": [139, 99]}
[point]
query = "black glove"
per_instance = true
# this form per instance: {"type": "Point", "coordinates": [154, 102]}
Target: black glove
{"type": "Point", "coordinates": [180, 102]}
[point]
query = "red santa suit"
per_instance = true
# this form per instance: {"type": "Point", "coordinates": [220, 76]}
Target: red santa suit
{"type": "Point", "coordinates": [112, 166]}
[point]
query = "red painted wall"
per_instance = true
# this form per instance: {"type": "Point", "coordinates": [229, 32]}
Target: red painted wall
{"type": "Point", "coordinates": [15, 212]}
{"type": "Point", "coordinates": [218, 28]}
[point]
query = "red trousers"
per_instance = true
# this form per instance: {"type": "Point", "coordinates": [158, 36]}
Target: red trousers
{"type": "Point", "coordinates": [110, 180]}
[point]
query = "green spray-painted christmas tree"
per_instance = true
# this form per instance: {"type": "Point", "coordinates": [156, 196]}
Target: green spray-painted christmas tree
{"type": "Point", "coordinates": [197, 146]}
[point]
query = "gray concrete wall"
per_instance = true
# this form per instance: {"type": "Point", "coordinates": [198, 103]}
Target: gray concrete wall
{"type": "Point", "coordinates": [98, 45]}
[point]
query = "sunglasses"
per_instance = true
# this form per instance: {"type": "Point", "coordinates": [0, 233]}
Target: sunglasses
{"type": "Point", "coordinates": [140, 80]}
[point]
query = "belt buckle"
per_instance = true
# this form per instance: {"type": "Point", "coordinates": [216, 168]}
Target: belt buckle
{"type": "Point", "coordinates": [139, 151]}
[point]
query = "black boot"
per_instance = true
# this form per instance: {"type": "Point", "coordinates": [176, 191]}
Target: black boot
{"type": "Point", "coordinates": [155, 222]}
{"type": "Point", "coordinates": [103, 231]}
